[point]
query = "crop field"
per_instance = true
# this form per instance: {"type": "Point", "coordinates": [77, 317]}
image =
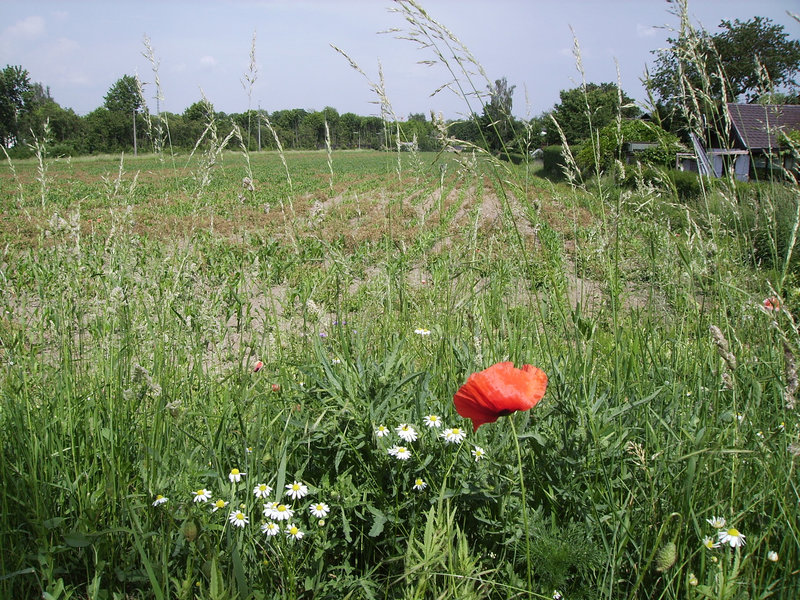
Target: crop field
{"type": "Point", "coordinates": [234, 378]}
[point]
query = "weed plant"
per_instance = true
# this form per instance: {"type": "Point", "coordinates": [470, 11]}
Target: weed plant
{"type": "Point", "coordinates": [170, 392]}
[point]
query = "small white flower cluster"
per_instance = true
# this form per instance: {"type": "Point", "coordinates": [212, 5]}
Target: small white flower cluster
{"type": "Point", "coordinates": [725, 535]}
{"type": "Point", "coordinates": [407, 433]}
{"type": "Point", "coordinates": [274, 512]}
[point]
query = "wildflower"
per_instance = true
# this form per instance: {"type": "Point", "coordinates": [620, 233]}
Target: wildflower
{"type": "Point", "coordinates": [218, 504]}
{"type": "Point", "coordinates": [499, 391]}
{"type": "Point", "coordinates": [381, 431]}
{"type": "Point", "coordinates": [406, 432]}
{"type": "Point", "coordinates": [454, 435]}
{"type": "Point", "coordinates": [160, 500]}
{"type": "Point", "coordinates": [772, 556]}
{"type": "Point", "coordinates": [249, 450]}
{"type": "Point", "coordinates": [320, 510]}
{"type": "Point", "coordinates": [336, 361]}
{"type": "Point", "coordinates": [262, 490]}
{"type": "Point", "coordinates": [419, 484]}
{"type": "Point", "coordinates": [709, 543]}
{"type": "Point", "coordinates": [771, 304]}
{"type": "Point", "coordinates": [279, 512]}
{"type": "Point", "coordinates": [478, 453]}
{"type": "Point", "coordinates": [400, 452]}
{"type": "Point", "coordinates": [557, 595]}
{"type": "Point", "coordinates": [276, 388]}
{"type": "Point", "coordinates": [716, 522]}
{"type": "Point", "coordinates": [258, 366]}
{"type": "Point", "coordinates": [202, 495]}
{"type": "Point", "coordinates": [731, 536]}
{"type": "Point", "coordinates": [269, 528]}
{"type": "Point", "coordinates": [433, 421]}
{"type": "Point", "coordinates": [296, 490]}
{"type": "Point", "coordinates": [292, 531]}
{"type": "Point", "coordinates": [235, 475]}
{"type": "Point", "coordinates": [321, 523]}
{"type": "Point", "coordinates": [238, 518]}
{"type": "Point", "coordinates": [268, 508]}
{"type": "Point", "coordinates": [422, 332]}
{"type": "Point", "coordinates": [693, 579]}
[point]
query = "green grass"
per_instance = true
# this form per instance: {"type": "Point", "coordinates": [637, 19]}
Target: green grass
{"type": "Point", "coordinates": [130, 330]}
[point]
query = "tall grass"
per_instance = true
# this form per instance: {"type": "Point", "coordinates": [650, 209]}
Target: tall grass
{"type": "Point", "coordinates": [131, 332]}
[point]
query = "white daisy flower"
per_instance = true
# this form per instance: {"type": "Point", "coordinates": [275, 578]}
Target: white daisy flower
{"type": "Point", "coordinates": [716, 522]}
{"type": "Point", "coordinates": [406, 432]}
{"type": "Point", "coordinates": [202, 495]}
{"type": "Point", "coordinates": [238, 518]}
{"type": "Point", "coordinates": [419, 484]}
{"type": "Point", "coordinates": [709, 543]}
{"type": "Point", "coordinates": [293, 532]}
{"type": "Point", "coordinates": [381, 431]}
{"type": "Point", "coordinates": [235, 475]}
{"type": "Point", "coordinates": [421, 331]}
{"type": "Point", "coordinates": [454, 435]}
{"type": "Point", "coordinates": [320, 510]}
{"type": "Point", "coordinates": [296, 490]}
{"type": "Point", "coordinates": [731, 536]}
{"type": "Point", "coordinates": [262, 490]}
{"type": "Point", "coordinates": [269, 528]}
{"type": "Point", "coordinates": [281, 512]}
{"type": "Point", "coordinates": [433, 421]}
{"type": "Point", "coordinates": [400, 452]}
{"type": "Point", "coordinates": [218, 504]}
{"type": "Point", "coordinates": [478, 453]}
{"type": "Point", "coordinates": [160, 500]}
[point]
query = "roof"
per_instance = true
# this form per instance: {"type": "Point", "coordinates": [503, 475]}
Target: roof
{"type": "Point", "coordinates": [757, 126]}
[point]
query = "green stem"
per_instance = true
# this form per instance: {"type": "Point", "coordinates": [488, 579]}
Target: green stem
{"type": "Point", "coordinates": [524, 505]}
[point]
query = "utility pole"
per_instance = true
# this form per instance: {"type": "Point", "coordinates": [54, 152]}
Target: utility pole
{"type": "Point", "coordinates": [134, 131]}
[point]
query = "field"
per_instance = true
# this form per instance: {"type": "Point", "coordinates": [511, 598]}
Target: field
{"type": "Point", "coordinates": [140, 294]}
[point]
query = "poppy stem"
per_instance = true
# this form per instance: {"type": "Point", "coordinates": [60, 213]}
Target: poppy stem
{"type": "Point", "coordinates": [524, 504]}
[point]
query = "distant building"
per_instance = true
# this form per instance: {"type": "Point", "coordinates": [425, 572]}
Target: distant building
{"type": "Point", "coordinates": [753, 146]}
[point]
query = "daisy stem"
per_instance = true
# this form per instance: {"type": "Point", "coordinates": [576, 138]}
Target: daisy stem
{"type": "Point", "coordinates": [524, 504]}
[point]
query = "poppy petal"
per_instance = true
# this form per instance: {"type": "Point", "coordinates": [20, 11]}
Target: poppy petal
{"type": "Point", "coordinates": [499, 390]}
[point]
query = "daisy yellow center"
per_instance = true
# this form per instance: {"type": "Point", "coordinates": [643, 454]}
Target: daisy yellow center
{"type": "Point", "coordinates": [733, 532]}
{"type": "Point", "coordinates": [456, 431]}
{"type": "Point", "coordinates": [418, 482]}
{"type": "Point", "coordinates": [262, 487]}
{"type": "Point", "coordinates": [294, 530]}
{"type": "Point", "coordinates": [240, 516]}
{"type": "Point", "coordinates": [295, 487]}
{"type": "Point", "coordinates": [159, 497]}
{"type": "Point", "coordinates": [234, 471]}
{"type": "Point", "coordinates": [281, 508]}
{"type": "Point", "coordinates": [220, 503]}
{"type": "Point", "coordinates": [200, 492]}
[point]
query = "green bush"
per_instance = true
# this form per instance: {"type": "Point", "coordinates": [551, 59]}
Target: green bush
{"type": "Point", "coordinates": [611, 144]}
{"type": "Point", "coordinates": [553, 162]}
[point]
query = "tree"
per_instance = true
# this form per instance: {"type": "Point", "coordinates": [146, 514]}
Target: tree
{"type": "Point", "coordinates": [699, 72]}
{"type": "Point", "coordinates": [124, 96]}
{"type": "Point", "coordinates": [497, 122]}
{"type": "Point", "coordinates": [15, 97]}
{"type": "Point", "coordinates": [588, 108]}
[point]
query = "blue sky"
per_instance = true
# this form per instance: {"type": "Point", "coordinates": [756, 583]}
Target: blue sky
{"type": "Point", "coordinates": [80, 48]}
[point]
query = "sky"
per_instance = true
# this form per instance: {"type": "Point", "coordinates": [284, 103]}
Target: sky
{"type": "Point", "coordinates": [80, 48]}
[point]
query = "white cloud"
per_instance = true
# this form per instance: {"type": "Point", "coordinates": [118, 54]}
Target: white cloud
{"type": "Point", "coordinates": [28, 28]}
{"type": "Point", "coordinates": [208, 62]}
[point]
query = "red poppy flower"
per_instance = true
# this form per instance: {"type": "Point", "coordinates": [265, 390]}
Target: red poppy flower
{"type": "Point", "coordinates": [498, 391]}
{"type": "Point", "coordinates": [772, 303]}
{"type": "Point", "coordinates": [258, 366]}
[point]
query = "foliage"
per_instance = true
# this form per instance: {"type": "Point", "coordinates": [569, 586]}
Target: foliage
{"type": "Point", "coordinates": [553, 162]}
{"type": "Point", "coordinates": [610, 146]}
{"type": "Point", "coordinates": [123, 96]}
{"type": "Point", "coordinates": [586, 109]}
{"type": "Point", "coordinates": [497, 122]}
{"type": "Point", "coordinates": [15, 96]}
{"type": "Point", "coordinates": [756, 57]}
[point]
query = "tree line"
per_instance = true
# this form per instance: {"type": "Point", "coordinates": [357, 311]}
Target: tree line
{"type": "Point", "coordinates": [688, 85]}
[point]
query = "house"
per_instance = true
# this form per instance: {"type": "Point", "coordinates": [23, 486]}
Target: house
{"type": "Point", "coordinates": [753, 144]}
